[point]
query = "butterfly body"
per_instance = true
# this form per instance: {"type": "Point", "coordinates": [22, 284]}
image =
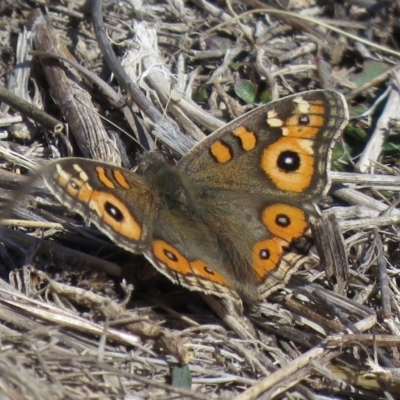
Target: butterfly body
{"type": "Point", "coordinates": [231, 218]}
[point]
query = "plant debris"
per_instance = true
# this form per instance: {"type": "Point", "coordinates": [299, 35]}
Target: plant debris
{"type": "Point", "coordinates": [80, 317]}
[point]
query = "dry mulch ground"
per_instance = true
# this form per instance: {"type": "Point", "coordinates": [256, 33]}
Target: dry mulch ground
{"type": "Point", "coordinates": [80, 317]}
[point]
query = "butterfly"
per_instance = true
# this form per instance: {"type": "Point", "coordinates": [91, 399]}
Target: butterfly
{"type": "Point", "coordinates": [230, 218]}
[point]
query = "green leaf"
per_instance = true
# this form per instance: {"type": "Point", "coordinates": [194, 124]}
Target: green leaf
{"type": "Point", "coordinates": [181, 377]}
{"type": "Point", "coordinates": [235, 65]}
{"type": "Point", "coordinates": [392, 146]}
{"type": "Point", "coordinates": [355, 132]}
{"type": "Point", "coordinates": [200, 95]}
{"type": "Point", "coordinates": [340, 156]}
{"type": "Point", "coordinates": [265, 96]}
{"type": "Point", "coordinates": [246, 91]}
{"type": "Point", "coordinates": [371, 70]}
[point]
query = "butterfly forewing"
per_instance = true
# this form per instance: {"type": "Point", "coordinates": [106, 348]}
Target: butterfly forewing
{"type": "Point", "coordinates": [117, 201]}
{"type": "Point", "coordinates": [279, 149]}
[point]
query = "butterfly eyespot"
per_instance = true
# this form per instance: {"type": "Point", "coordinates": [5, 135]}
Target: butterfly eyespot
{"type": "Point", "coordinates": [113, 211]}
{"type": "Point", "coordinates": [304, 119]}
{"type": "Point", "coordinates": [285, 221]}
{"type": "Point", "coordinates": [74, 185]}
{"type": "Point", "coordinates": [288, 161]}
{"type": "Point", "coordinates": [209, 270]}
{"type": "Point", "coordinates": [264, 254]}
{"type": "Point", "coordinates": [170, 255]}
{"type": "Point", "coordinates": [282, 220]}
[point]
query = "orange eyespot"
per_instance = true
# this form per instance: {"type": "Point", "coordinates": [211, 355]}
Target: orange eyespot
{"type": "Point", "coordinates": [289, 163]}
{"type": "Point", "coordinates": [266, 256]}
{"type": "Point", "coordinates": [173, 259]}
{"type": "Point", "coordinates": [285, 221]}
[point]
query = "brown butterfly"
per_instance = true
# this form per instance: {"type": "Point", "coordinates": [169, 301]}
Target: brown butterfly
{"type": "Point", "coordinates": [226, 220]}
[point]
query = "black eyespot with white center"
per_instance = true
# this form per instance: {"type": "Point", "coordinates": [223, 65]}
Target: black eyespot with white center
{"type": "Point", "coordinates": [304, 119]}
{"type": "Point", "coordinates": [114, 212]}
{"type": "Point", "coordinates": [171, 256]}
{"type": "Point", "coordinates": [265, 254]}
{"type": "Point", "coordinates": [282, 220]}
{"type": "Point", "coordinates": [288, 161]}
{"type": "Point", "coordinates": [73, 184]}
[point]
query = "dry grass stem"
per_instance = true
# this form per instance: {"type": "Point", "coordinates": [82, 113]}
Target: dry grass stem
{"type": "Point", "coordinates": [80, 317]}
